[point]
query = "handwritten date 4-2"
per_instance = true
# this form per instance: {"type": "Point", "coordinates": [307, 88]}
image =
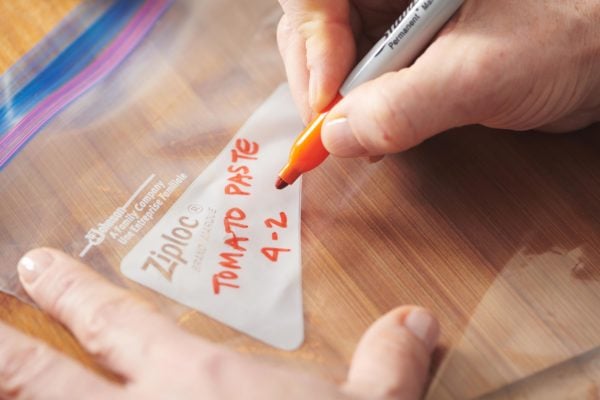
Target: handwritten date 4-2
{"type": "Point", "coordinates": [234, 223]}
{"type": "Point", "coordinates": [272, 253]}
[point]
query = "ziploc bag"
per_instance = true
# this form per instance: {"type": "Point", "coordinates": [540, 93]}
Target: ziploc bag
{"type": "Point", "coordinates": [421, 227]}
{"type": "Point", "coordinates": [144, 176]}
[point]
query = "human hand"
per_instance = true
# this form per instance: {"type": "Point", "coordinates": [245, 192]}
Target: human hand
{"type": "Point", "coordinates": [158, 360]}
{"type": "Point", "coordinates": [504, 64]}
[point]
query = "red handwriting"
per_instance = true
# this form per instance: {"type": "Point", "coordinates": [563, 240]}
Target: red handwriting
{"type": "Point", "coordinates": [272, 253]}
{"type": "Point", "coordinates": [234, 225]}
{"type": "Point", "coordinates": [241, 177]}
{"type": "Point", "coordinates": [239, 183]}
{"type": "Point", "coordinates": [282, 222]}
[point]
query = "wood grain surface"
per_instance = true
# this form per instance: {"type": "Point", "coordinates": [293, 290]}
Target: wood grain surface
{"type": "Point", "coordinates": [498, 233]}
{"type": "Point", "coordinates": [24, 22]}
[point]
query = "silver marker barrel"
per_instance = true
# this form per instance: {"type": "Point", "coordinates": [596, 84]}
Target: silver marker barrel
{"type": "Point", "coordinates": [403, 42]}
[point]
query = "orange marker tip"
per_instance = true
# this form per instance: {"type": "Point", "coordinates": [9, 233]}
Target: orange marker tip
{"type": "Point", "coordinates": [280, 184]}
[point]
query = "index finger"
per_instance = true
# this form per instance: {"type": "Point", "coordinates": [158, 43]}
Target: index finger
{"type": "Point", "coordinates": [329, 46]}
{"type": "Point", "coordinates": [124, 332]}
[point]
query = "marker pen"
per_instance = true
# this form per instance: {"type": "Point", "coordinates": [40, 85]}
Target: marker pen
{"type": "Point", "coordinates": [398, 48]}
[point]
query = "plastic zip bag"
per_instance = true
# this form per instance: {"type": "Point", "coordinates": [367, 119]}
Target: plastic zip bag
{"type": "Point", "coordinates": [81, 174]}
{"type": "Point", "coordinates": [176, 102]}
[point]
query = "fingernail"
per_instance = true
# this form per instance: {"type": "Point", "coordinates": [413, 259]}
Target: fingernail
{"type": "Point", "coordinates": [423, 326]}
{"type": "Point", "coordinates": [33, 263]}
{"type": "Point", "coordinates": [339, 140]}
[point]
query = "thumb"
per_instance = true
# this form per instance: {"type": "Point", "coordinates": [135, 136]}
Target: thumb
{"type": "Point", "coordinates": [397, 110]}
{"type": "Point", "coordinates": [392, 358]}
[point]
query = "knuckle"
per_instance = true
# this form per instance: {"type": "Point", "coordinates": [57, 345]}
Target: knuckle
{"type": "Point", "coordinates": [94, 333]}
{"type": "Point", "coordinates": [478, 77]}
{"type": "Point", "coordinates": [20, 366]}
{"type": "Point", "coordinates": [288, 40]}
{"type": "Point", "coordinates": [394, 124]}
{"type": "Point", "coordinates": [472, 86]}
{"type": "Point", "coordinates": [309, 27]}
{"type": "Point", "coordinates": [283, 33]}
{"type": "Point", "coordinates": [216, 365]}
{"type": "Point", "coordinates": [59, 296]}
{"type": "Point", "coordinates": [481, 66]}
{"type": "Point", "coordinates": [217, 370]}
{"type": "Point", "coordinates": [213, 365]}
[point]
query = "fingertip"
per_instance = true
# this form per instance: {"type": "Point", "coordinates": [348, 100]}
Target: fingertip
{"type": "Point", "coordinates": [393, 356]}
{"type": "Point", "coordinates": [45, 272]}
{"type": "Point", "coordinates": [40, 252]}
{"type": "Point", "coordinates": [339, 140]}
{"type": "Point", "coordinates": [419, 321]}
{"type": "Point", "coordinates": [33, 263]}
{"type": "Point", "coordinates": [423, 325]}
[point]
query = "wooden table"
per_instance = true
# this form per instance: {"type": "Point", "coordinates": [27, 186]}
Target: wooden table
{"type": "Point", "coordinates": [497, 233]}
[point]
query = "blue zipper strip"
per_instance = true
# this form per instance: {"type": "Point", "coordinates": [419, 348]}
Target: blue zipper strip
{"type": "Point", "coordinates": [69, 63]}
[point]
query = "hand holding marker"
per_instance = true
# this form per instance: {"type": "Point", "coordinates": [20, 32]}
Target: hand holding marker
{"type": "Point", "coordinates": [399, 47]}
